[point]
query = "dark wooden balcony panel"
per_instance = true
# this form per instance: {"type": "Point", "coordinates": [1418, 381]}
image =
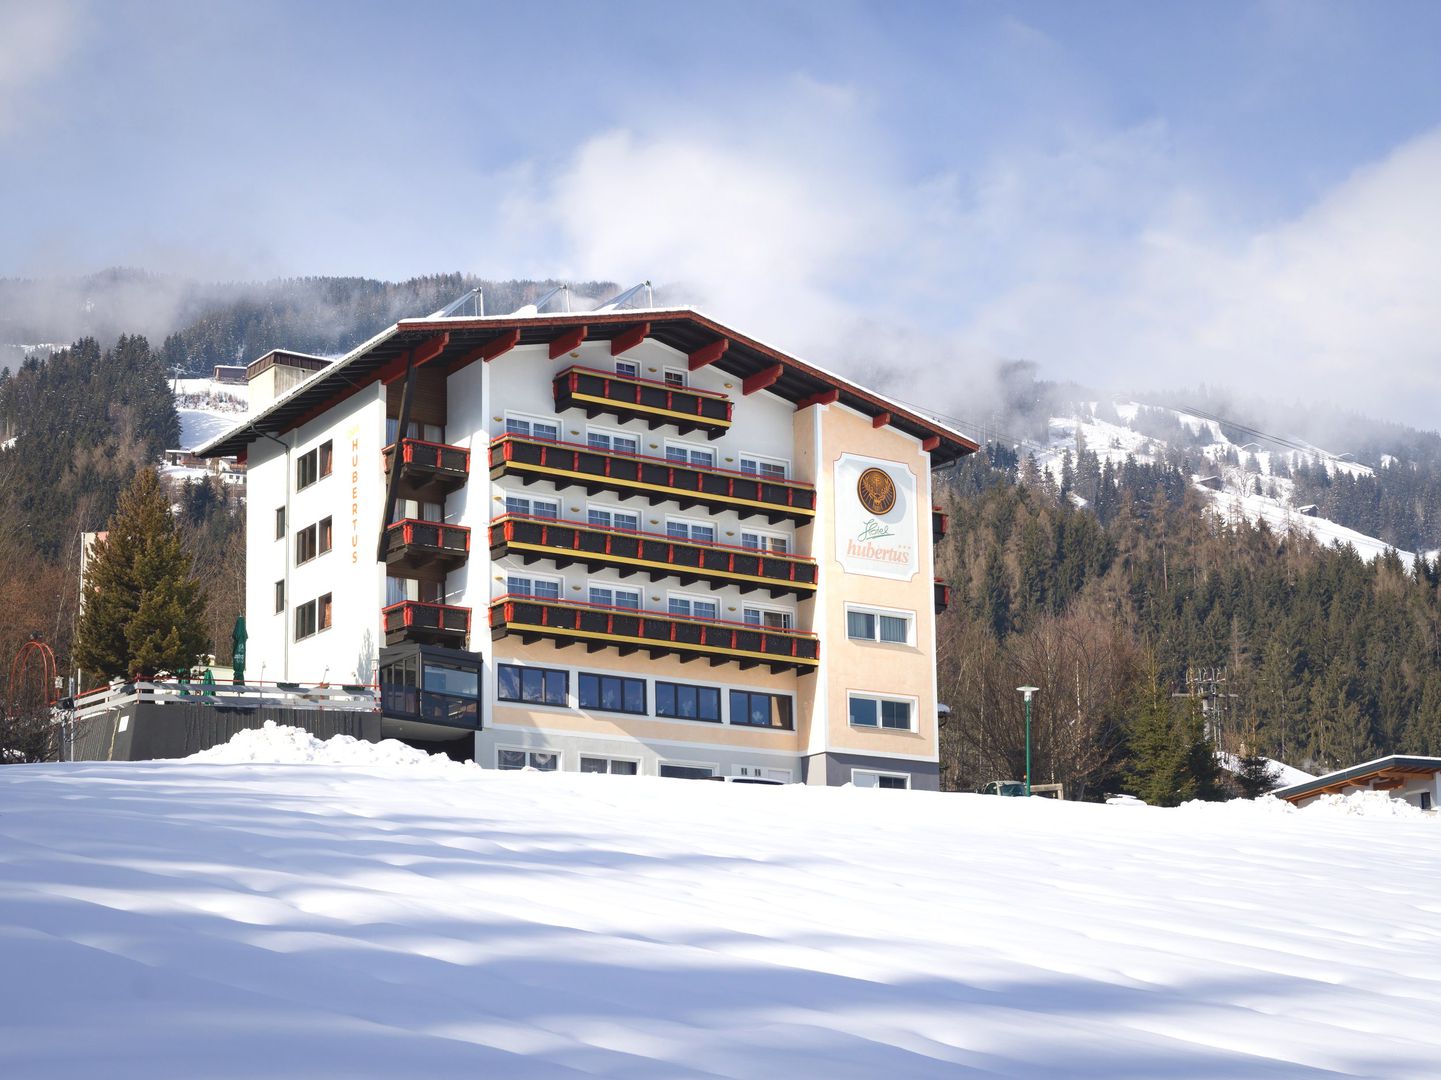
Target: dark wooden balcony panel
{"type": "Point", "coordinates": [656, 404]}
{"type": "Point", "coordinates": [657, 633]}
{"type": "Point", "coordinates": [430, 624]}
{"type": "Point", "coordinates": [657, 556]}
{"type": "Point", "coordinates": [428, 471]}
{"type": "Point", "coordinates": [426, 549]}
{"type": "Point", "coordinates": [940, 525]}
{"type": "Point", "coordinates": [572, 465]}
{"type": "Point", "coordinates": [943, 596]}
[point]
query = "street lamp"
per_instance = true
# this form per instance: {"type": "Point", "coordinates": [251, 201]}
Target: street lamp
{"type": "Point", "coordinates": [1028, 691]}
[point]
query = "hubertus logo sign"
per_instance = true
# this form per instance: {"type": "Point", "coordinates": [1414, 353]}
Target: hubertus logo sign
{"type": "Point", "coordinates": [876, 518]}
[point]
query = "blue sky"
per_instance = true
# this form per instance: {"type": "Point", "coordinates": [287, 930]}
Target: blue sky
{"type": "Point", "coordinates": [1131, 194]}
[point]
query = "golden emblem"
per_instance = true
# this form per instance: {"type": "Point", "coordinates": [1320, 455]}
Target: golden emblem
{"type": "Point", "coordinates": [876, 490]}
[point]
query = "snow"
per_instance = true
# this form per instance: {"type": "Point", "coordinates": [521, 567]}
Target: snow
{"type": "Point", "coordinates": [276, 744]}
{"type": "Point", "coordinates": [376, 914]}
{"type": "Point", "coordinates": [1284, 775]}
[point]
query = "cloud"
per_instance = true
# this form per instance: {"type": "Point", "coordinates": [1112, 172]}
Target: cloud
{"type": "Point", "coordinates": [35, 41]}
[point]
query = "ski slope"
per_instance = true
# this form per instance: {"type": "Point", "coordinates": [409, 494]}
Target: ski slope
{"type": "Point", "coordinates": [372, 913]}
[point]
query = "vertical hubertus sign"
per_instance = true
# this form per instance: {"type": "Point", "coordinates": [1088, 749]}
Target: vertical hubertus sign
{"type": "Point", "coordinates": [876, 518]}
{"type": "Point", "coordinates": [354, 436]}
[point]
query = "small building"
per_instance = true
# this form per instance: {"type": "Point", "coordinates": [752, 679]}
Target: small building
{"type": "Point", "coordinates": [1213, 483]}
{"type": "Point", "coordinates": [1309, 510]}
{"type": "Point", "coordinates": [230, 374]}
{"type": "Point", "coordinates": [1415, 779]}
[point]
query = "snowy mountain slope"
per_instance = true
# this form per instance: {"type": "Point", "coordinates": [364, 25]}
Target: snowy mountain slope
{"type": "Point", "coordinates": [1237, 497]}
{"type": "Point", "coordinates": [189, 920]}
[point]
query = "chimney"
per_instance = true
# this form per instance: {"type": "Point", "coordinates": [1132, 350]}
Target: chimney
{"type": "Point", "coordinates": [275, 373]}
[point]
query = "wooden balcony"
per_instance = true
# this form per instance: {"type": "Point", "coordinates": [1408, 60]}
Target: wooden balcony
{"type": "Point", "coordinates": [425, 549]}
{"type": "Point", "coordinates": [656, 404]}
{"type": "Point", "coordinates": [529, 459]}
{"type": "Point", "coordinates": [940, 525]}
{"type": "Point", "coordinates": [565, 622]}
{"type": "Point", "coordinates": [653, 554]}
{"type": "Point", "coordinates": [428, 471]}
{"type": "Point", "coordinates": [426, 624]}
{"type": "Point", "coordinates": [943, 596]}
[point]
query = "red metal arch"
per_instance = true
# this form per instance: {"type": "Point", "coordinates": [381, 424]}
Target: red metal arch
{"type": "Point", "coordinates": [37, 651]}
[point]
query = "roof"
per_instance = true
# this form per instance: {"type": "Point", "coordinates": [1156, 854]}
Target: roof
{"type": "Point", "coordinates": [464, 340]}
{"type": "Point", "coordinates": [1393, 765]}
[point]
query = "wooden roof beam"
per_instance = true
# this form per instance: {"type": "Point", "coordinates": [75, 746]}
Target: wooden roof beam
{"type": "Point", "coordinates": [880, 420]}
{"type": "Point", "coordinates": [629, 339]}
{"type": "Point", "coordinates": [929, 444]}
{"type": "Point", "coordinates": [762, 378]}
{"type": "Point", "coordinates": [709, 354]}
{"type": "Point", "coordinates": [499, 346]}
{"type": "Point", "coordinates": [825, 397]}
{"type": "Point", "coordinates": [567, 342]}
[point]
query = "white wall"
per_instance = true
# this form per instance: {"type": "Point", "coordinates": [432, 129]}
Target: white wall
{"type": "Point", "coordinates": [353, 496]}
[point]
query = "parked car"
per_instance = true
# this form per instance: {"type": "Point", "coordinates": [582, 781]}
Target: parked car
{"type": "Point", "coordinates": [1013, 788]}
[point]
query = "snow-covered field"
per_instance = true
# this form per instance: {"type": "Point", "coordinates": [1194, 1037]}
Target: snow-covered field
{"type": "Point", "coordinates": [427, 919]}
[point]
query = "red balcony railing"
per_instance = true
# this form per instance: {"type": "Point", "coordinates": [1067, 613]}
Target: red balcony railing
{"type": "Point", "coordinates": [659, 556]}
{"type": "Point", "coordinates": [940, 525]}
{"type": "Point", "coordinates": [659, 633]}
{"type": "Point", "coordinates": [436, 624]}
{"type": "Point", "coordinates": [656, 404]}
{"type": "Point", "coordinates": [428, 471]}
{"type": "Point", "coordinates": [659, 479]}
{"type": "Point", "coordinates": [417, 548]}
{"type": "Point", "coordinates": [943, 596]}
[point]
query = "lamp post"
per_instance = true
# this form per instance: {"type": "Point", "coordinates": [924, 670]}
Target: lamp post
{"type": "Point", "coordinates": [1028, 691]}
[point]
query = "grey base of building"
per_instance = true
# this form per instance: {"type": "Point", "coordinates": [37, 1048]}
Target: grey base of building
{"type": "Point", "coordinates": [147, 731]}
{"type": "Point", "coordinates": [834, 770]}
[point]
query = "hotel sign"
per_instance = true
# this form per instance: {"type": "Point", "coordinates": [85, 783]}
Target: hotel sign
{"type": "Point", "coordinates": [876, 518]}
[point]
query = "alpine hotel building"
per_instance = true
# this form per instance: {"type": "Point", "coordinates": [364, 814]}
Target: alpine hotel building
{"type": "Point", "coordinates": [626, 541]}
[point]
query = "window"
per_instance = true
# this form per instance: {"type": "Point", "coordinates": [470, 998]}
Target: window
{"type": "Point", "coordinates": [613, 596]}
{"type": "Point", "coordinates": [535, 429]}
{"type": "Point", "coordinates": [305, 620]}
{"type": "Point", "coordinates": [610, 440]}
{"type": "Point", "coordinates": [785, 776]}
{"type": "Point", "coordinates": [627, 369]}
{"type": "Point", "coordinates": [675, 377]}
{"type": "Point", "coordinates": [765, 542]}
{"type": "Point", "coordinates": [769, 618]}
{"type": "Point", "coordinates": [532, 685]}
{"type": "Point", "coordinates": [524, 504]}
{"type": "Point", "coordinates": [677, 701]}
{"type": "Point", "coordinates": [677, 771]}
{"type": "Point", "coordinates": [279, 597]}
{"type": "Point", "coordinates": [771, 470]}
{"type": "Point", "coordinates": [614, 766]}
{"type": "Point", "coordinates": [606, 518]}
{"type": "Point", "coordinates": [872, 712]}
{"type": "Point", "coordinates": [760, 710]}
{"type": "Point", "coordinates": [869, 779]}
{"type": "Point", "coordinates": [305, 544]}
{"type": "Point", "coordinates": [540, 588]}
{"type": "Point", "coordinates": [314, 464]}
{"type": "Point", "coordinates": [324, 613]}
{"type": "Point", "coordinates": [693, 608]}
{"type": "Point", "coordinates": [612, 693]}
{"type": "Point", "coordinates": [280, 523]}
{"type": "Point", "coordinates": [539, 760]}
{"type": "Point", "coordinates": [690, 455]}
{"type": "Point", "coordinates": [326, 535]}
{"type": "Point", "coordinates": [874, 626]}
{"type": "Point", "coordinates": [698, 531]}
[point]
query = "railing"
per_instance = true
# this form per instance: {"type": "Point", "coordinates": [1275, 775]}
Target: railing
{"type": "Point", "coordinates": [418, 620]}
{"type": "Point", "coordinates": [431, 535]}
{"type": "Point", "coordinates": [656, 403]}
{"type": "Point", "coordinates": [943, 596]}
{"type": "Point", "coordinates": [940, 525]}
{"type": "Point", "coordinates": [432, 468]}
{"type": "Point", "coordinates": [656, 553]}
{"type": "Point", "coordinates": [350, 698]}
{"type": "Point", "coordinates": [658, 632]}
{"type": "Point", "coordinates": [660, 479]}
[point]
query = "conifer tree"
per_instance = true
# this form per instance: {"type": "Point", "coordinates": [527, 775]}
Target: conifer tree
{"type": "Point", "coordinates": [144, 609]}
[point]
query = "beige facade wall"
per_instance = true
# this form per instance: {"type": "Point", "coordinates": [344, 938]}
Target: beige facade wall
{"type": "Point", "coordinates": [891, 670]}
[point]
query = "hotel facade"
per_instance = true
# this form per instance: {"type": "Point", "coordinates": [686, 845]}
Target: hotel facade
{"type": "Point", "coordinates": [629, 541]}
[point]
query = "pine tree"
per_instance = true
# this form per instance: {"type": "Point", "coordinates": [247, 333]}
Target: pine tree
{"type": "Point", "coordinates": [144, 609]}
{"type": "Point", "coordinates": [1256, 776]}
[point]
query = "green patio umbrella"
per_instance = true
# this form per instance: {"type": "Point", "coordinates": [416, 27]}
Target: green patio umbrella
{"type": "Point", "coordinates": [237, 648]}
